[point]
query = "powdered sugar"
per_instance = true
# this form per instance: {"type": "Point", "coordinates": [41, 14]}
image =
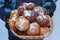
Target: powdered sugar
{"type": "Point", "coordinates": [39, 10]}
{"type": "Point", "coordinates": [12, 11]}
{"type": "Point", "coordinates": [29, 3]}
{"type": "Point", "coordinates": [45, 17]}
{"type": "Point", "coordinates": [41, 13]}
{"type": "Point", "coordinates": [22, 7]}
{"type": "Point", "coordinates": [33, 26]}
{"type": "Point", "coordinates": [40, 17]}
{"type": "Point", "coordinates": [14, 17]}
{"type": "Point", "coordinates": [16, 11]}
{"type": "Point", "coordinates": [36, 9]}
{"type": "Point", "coordinates": [27, 12]}
{"type": "Point", "coordinates": [25, 4]}
{"type": "Point", "coordinates": [21, 24]}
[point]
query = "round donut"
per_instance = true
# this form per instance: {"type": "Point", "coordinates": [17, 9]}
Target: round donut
{"type": "Point", "coordinates": [14, 15]}
{"type": "Point", "coordinates": [22, 24]}
{"type": "Point", "coordinates": [34, 29]}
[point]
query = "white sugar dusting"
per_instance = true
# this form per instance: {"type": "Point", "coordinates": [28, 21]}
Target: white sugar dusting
{"type": "Point", "coordinates": [29, 3]}
{"type": "Point", "coordinates": [25, 3]}
{"type": "Point", "coordinates": [14, 17]}
{"type": "Point", "coordinates": [27, 12]}
{"type": "Point", "coordinates": [36, 9]}
{"type": "Point", "coordinates": [12, 11]}
{"type": "Point", "coordinates": [45, 17]}
{"type": "Point", "coordinates": [21, 24]}
{"type": "Point", "coordinates": [40, 17]}
{"type": "Point", "coordinates": [41, 13]}
{"type": "Point", "coordinates": [16, 11]}
{"type": "Point", "coordinates": [24, 7]}
{"type": "Point", "coordinates": [20, 6]}
{"type": "Point", "coordinates": [39, 10]}
{"type": "Point", "coordinates": [32, 26]}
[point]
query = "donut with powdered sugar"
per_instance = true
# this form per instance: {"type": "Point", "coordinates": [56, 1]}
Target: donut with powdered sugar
{"type": "Point", "coordinates": [34, 29]}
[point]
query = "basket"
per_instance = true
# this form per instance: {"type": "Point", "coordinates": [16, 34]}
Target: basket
{"type": "Point", "coordinates": [34, 37]}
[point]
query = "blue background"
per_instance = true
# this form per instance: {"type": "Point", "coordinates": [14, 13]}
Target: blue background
{"type": "Point", "coordinates": [55, 34]}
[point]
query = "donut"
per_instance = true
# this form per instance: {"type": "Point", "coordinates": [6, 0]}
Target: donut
{"type": "Point", "coordinates": [22, 24]}
{"type": "Point", "coordinates": [34, 29]}
{"type": "Point", "coordinates": [29, 15]}
{"type": "Point", "coordinates": [14, 15]}
{"type": "Point", "coordinates": [43, 20]}
{"type": "Point", "coordinates": [20, 10]}
{"type": "Point", "coordinates": [44, 31]}
{"type": "Point", "coordinates": [39, 10]}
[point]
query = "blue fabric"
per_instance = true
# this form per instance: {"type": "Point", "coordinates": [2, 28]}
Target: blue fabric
{"type": "Point", "coordinates": [39, 2]}
{"type": "Point", "coordinates": [7, 10]}
{"type": "Point", "coordinates": [50, 6]}
{"type": "Point", "coordinates": [13, 3]}
{"type": "Point", "coordinates": [47, 4]}
{"type": "Point", "coordinates": [55, 0]}
{"type": "Point", "coordinates": [1, 3]}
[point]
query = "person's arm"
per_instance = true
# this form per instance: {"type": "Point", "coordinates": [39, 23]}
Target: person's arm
{"type": "Point", "coordinates": [50, 6]}
{"type": "Point", "coordinates": [4, 11]}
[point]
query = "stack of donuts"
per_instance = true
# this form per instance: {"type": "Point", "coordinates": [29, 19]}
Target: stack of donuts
{"type": "Point", "coordinates": [30, 19]}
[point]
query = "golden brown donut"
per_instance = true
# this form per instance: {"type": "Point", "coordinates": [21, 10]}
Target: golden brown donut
{"type": "Point", "coordinates": [39, 10]}
{"type": "Point", "coordinates": [34, 29]}
{"type": "Point", "coordinates": [22, 24]}
{"type": "Point", "coordinates": [29, 15]}
{"type": "Point", "coordinates": [14, 13]}
{"type": "Point", "coordinates": [44, 30]}
{"type": "Point", "coordinates": [43, 20]}
{"type": "Point", "coordinates": [13, 17]}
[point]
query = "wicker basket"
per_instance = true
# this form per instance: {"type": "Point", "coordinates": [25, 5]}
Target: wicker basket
{"type": "Point", "coordinates": [35, 37]}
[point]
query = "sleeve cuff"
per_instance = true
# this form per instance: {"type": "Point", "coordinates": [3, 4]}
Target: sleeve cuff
{"type": "Point", "coordinates": [47, 4]}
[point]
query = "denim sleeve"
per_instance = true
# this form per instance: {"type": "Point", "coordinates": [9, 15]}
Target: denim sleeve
{"type": "Point", "coordinates": [13, 4]}
{"type": "Point", "coordinates": [50, 6]}
{"type": "Point", "coordinates": [6, 10]}
{"type": "Point", "coordinates": [1, 3]}
{"type": "Point", "coordinates": [4, 14]}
